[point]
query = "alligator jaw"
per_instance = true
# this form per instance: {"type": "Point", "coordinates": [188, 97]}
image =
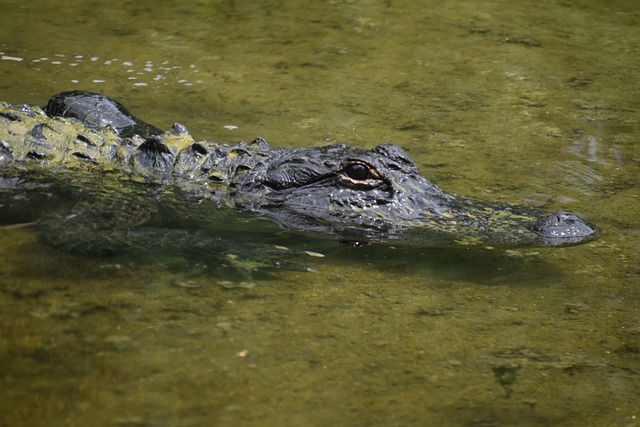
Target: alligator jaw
{"type": "Point", "coordinates": [471, 222]}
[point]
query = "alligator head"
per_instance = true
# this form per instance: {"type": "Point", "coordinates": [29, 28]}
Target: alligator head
{"type": "Point", "coordinates": [380, 195]}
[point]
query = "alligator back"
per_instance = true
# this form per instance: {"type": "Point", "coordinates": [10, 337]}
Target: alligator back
{"type": "Point", "coordinates": [32, 140]}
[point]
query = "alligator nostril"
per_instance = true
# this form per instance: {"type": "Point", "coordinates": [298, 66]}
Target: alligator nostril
{"type": "Point", "coordinates": [562, 228]}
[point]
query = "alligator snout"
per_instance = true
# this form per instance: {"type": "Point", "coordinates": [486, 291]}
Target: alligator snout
{"type": "Point", "coordinates": [563, 229]}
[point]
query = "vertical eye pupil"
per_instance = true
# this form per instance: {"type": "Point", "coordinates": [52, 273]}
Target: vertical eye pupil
{"type": "Point", "coordinates": [358, 172]}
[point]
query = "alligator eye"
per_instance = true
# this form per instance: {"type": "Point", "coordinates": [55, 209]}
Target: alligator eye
{"type": "Point", "coordinates": [358, 172]}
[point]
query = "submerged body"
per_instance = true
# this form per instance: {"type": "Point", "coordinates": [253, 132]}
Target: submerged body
{"type": "Point", "coordinates": [358, 195]}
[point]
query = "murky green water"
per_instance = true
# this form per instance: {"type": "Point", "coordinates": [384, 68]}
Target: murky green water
{"type": "Point", "coordinates": [527, 102]}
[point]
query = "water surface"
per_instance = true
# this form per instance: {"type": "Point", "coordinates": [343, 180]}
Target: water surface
{"type": "Point", "coordinates": [530, 102]}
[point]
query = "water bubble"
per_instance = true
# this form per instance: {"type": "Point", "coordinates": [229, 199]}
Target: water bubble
{"type": "Point", "coordinates": [11, 58]}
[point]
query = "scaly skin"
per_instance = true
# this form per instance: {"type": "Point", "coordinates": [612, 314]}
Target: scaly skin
{"type": "Point", "coordinates": [359, 195]}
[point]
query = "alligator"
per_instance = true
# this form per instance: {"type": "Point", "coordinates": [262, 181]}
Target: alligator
{"type": "Point", "coordinates": [119, 176]}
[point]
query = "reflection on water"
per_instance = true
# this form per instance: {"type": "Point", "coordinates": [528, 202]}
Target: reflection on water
{"type": "Point", "coordinates": [496, 100]}
{"type": "Point", "coordinates": [139, 74]}
{"type": "Point", "coordinates": [588, 149]}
